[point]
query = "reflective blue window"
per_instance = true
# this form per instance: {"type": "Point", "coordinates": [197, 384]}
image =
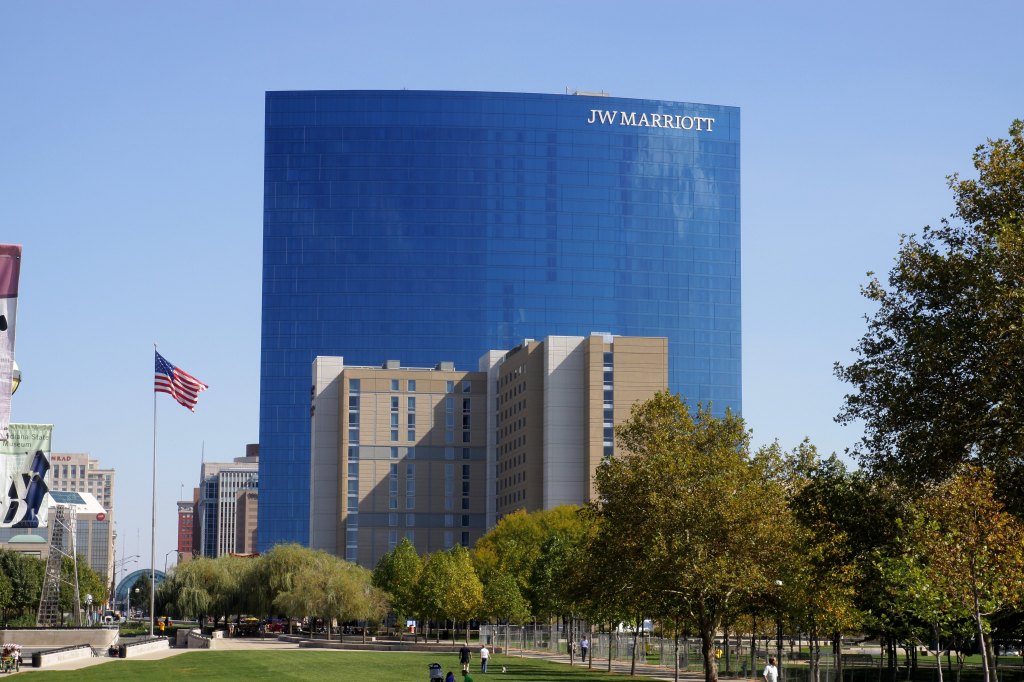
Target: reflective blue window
{"type": "Point", "coordinates": [429, 226]}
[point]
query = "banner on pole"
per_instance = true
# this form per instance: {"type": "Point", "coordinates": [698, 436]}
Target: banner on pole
{"type": "Point", "coordinates": [24, 476]}
{"type": "Point", "coordinates": [10, 269]}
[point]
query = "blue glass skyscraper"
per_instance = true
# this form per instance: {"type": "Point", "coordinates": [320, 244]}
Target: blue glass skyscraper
{"type": "Point", "coordinates": [429, 226]}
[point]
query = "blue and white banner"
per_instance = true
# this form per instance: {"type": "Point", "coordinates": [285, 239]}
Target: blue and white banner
{"type": "Point", "coordinates": [24, 476]}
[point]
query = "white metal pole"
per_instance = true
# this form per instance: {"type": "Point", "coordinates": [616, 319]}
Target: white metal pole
{"type": "Point", "coordinates": [152, 536]}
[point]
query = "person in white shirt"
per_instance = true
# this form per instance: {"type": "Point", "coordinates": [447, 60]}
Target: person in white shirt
{"type": "Point", "coordinates": [484, 655]}
{"type": "Point", "coordinates": [771, 673]}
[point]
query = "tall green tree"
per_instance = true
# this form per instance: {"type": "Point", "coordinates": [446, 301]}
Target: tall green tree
{"type": "Point", "coordinates": [514, 545]}
{"type": "Point", "coordinates": [691, 512]}
{"type": "Point", "coordinates": [277, 573]}
{"type": "Point", "coordinates": [397, 573]}
{"type": "Point", "coordinates": [6, 597]}
{"type": "Point", "coordinates": [25, 575]}
{"type": "Point", "coordinates": [200, 587]}
{"type": "Point", "coordinates": [449, 588]}
{"type": "Point", "coordinates": [89, 582]}
{"type": "Point", "coordinates": [504, 601]}
{"type": "Point", "coordinates": [141, 593]}
{"type": "Point", "coordinates": [939, 375]}
{"type": "Point", "coordinates": [819, 579]}
{"type": "Point", "coordinates": [973, 549]}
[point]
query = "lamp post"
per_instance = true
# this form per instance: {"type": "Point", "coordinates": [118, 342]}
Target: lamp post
{"type": "Point", "coordinates": [15, 377]}
{"type": "Point", "coordinates": [120, 565]}
{"type": "Point", "coordinates": [165, 559]}
{"type": "Point", "coordinates": [778, 630]}
{"type": "Point", "coordinates": [136, 590]}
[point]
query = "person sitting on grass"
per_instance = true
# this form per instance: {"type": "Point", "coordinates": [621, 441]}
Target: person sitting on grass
{"type": "Point", "coordinates": [450, 677]}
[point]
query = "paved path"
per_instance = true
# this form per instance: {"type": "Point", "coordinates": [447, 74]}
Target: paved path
{"type": "Point", "coordinates": [654, 672]}
{"type": "Point", "coordinates": [223, 645]}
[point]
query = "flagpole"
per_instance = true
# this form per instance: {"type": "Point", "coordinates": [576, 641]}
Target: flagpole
{"type": "Point", "coordinates": [152, 536]}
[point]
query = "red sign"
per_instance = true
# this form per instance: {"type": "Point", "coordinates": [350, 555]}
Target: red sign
{"type": "Point", "coordinates": [101, 516]}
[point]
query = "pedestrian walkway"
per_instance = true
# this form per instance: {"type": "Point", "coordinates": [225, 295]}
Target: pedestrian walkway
{"type": "Point", "coordinates": [96, 660]}
{"type": "Point", "coordinates": [234, 644]}
{"type": "Point", "coordinates": [654, 672]}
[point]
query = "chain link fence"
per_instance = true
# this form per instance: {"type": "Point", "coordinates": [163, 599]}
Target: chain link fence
{"type": "Point", "coordinates": [743, 659]}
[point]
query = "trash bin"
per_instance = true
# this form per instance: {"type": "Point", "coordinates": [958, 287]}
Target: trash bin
{"type": "Point", "coordinates": [435, 672]}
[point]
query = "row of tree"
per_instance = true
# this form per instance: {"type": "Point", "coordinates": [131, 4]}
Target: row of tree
{"type": "Point", "coordinates": [698, 533]}
{"type": "Point", "coordinates": [21, 584]}
{"type": "Point", "coordinates": [289, 580]}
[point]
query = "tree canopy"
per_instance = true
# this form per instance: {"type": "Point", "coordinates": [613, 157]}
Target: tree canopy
{"type": "Point", "coordinates": [691, 514]}
{"type": "Point", "coordinates": [938, 378]}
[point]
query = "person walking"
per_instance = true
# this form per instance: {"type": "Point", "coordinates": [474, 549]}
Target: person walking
{"type": "Point", "coordinates": [464, 654]}
{"type": "Point", "coordinates": [484, 655]}
{"type": "Point", "coordinates": [584, 648]}
{"type": "Point", "coordinates": [771, 673]}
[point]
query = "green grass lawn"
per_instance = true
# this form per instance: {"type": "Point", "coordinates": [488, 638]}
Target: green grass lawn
{"type": "Point", "coordinates": [359, 666]}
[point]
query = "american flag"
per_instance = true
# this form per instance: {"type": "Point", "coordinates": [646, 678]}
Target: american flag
{"type": "Point", "coordinates": [180, 385]}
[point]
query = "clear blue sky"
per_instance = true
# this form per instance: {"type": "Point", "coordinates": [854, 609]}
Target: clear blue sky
{"type": "Point", "coordinates": [131, 171]}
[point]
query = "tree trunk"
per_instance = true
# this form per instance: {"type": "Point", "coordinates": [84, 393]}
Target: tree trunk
{"type": "Point", "coordinates": [778, 645]}
{"type": "Point", "coordinates": [611, 630]}
{"type": "Point", "coordinates": [753, 647]}
{"type": "Point", "coordinates": [632, 663]}
{"type": "Point", "coordinates": [590, 638]}
{"type": "Point", "coordinates": [675, 638]}
{"type": "Point", "coordinates": [839, 656]}
{"type": "Point", "coordinates": [707, 648]}
{"type": "Point", "coordinates": [728, 664]}
{"type": "Point", "coordinates": [815, 656]}
{"type": "Point", "coordinates": [938, 651]}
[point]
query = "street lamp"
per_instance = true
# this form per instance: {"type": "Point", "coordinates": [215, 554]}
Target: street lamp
{"type": "Point", "coordinates": [136, 590]}
{"type": "Point", "coordinates": [124, 561]}
{"type": "Point", "coordinates": [15, 377]}
{"type": "Point", "coordinates": [778, 630]}
{"type": "Point", "coordinates": [165, 559]}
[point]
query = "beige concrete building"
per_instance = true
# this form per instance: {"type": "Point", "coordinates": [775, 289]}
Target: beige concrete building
{"type": "Point", "coordinates": [556, 404]}
{"type": "Point", "coordinates": [438, 455]}
{"type": "Point", "coordinates": [396, 452]}
{"type": "Point", "coordinates": [77, 472]}
{"type": "Point", "coordinates": [245, 521]}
